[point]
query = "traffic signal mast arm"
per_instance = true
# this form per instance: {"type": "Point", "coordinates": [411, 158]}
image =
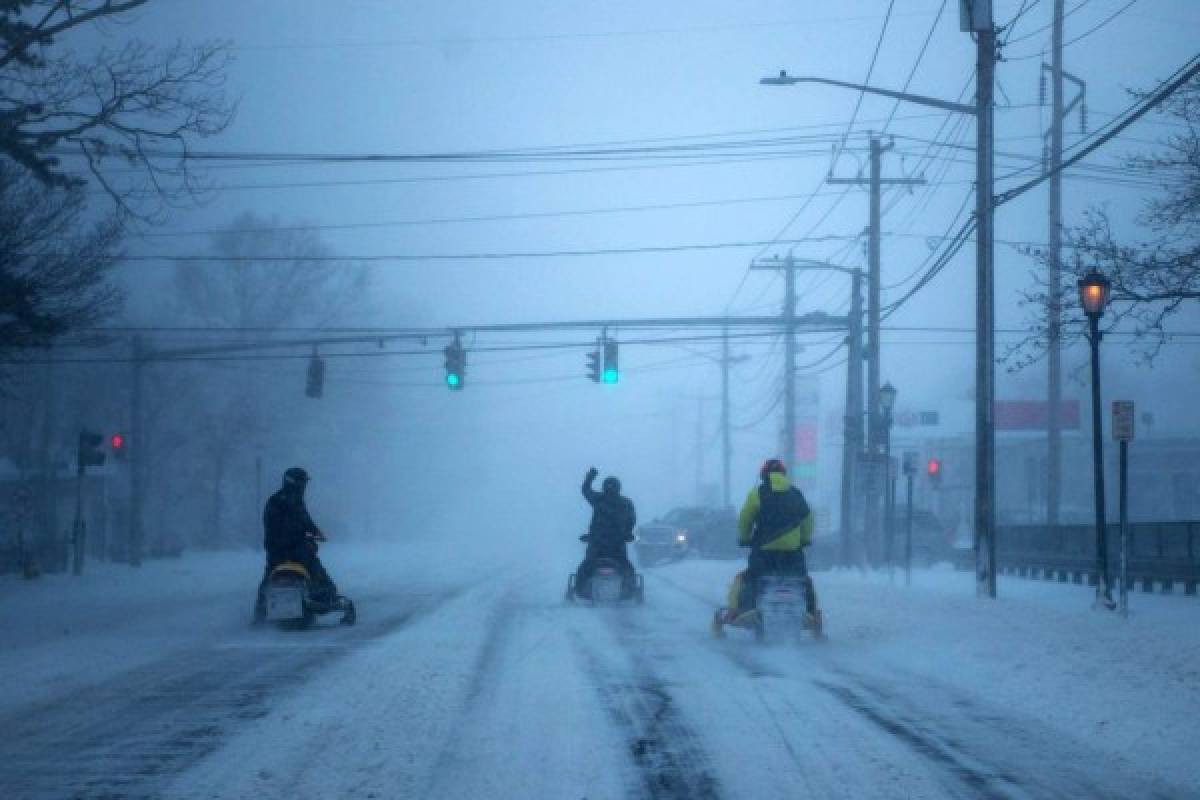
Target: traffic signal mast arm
{"type": "Point", "coordinates": [816, 321]}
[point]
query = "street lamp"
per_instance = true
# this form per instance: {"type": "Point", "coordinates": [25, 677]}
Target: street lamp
{"type": "Point", "coordinates": [887, 401]}
{"type": "Point", "coordinates": [976, 17]}
{"type": "Point", "coordinates": [1093, 296]}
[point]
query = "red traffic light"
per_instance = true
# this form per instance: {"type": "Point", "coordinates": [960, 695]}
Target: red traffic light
{"type": "Point", "coordinates": [117, 441]}
{"type": "Point", "coordinates": [934, 467]}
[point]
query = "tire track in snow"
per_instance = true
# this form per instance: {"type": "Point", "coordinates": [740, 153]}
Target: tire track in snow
{"type": "Point", "coordinates": [987, 753]}
{"type": "Point", "coordinates": [983, 782]}
{"type": "Point", "coordinates": [123, 739]}
{"type": "Point", "coordinates": [454, 757]}
{"type": "Point", "coordinates": [979, 752]}
{"type": "Point", "coordinates": [670, 758]}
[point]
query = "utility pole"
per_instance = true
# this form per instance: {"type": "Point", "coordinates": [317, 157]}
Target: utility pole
{"type": "Point", "coordinates": [985, 308]}
{"type": "Point", "coordinates": [852, 439]}
{"type": "Point", "coordinates": [726, 425]}
{"type": "Point", "coordinates": [874, 313]}
{"type": "Point", "coordinates": [975, 17]}
{"type": "Point", "coordinates": [726, 447]}
{"type": "Point", "coordinates": [852, 435]}
{"type": "Point", "coordinates": [1054, 281]}
{"type": "Point", "coordinates": [788, 265]}
{"type": "Point", "coordinates": [789, 363]}
{"type": "Point", "coordinates": [1059, 112]}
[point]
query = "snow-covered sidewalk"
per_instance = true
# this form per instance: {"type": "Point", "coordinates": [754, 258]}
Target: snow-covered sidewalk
{"type": "Point", "coordinates": [1129, 686]}
{"type": "Point", "coordinates": [469, 677]}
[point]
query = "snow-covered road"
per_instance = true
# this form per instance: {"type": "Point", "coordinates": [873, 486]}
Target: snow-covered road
{"type": "Point", "coordinates": [475, 680]}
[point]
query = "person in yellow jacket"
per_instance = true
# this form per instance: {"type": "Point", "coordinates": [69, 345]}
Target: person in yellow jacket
{"type": "Point", "coordinates": [776, 523]}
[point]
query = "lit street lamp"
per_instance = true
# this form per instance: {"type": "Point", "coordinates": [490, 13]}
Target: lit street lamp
{"type": "Point", "coordinates": [887, 401]}
{"type": "Point", "coordinates": [1093, 296]}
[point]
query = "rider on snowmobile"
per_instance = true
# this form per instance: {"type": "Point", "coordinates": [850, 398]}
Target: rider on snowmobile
{"type": "Point", "coordinates": [611, 528]}
{"type": "Point", "coordinates": [777, 524]}
{"type": "Point", "coordinates": [289, 534]}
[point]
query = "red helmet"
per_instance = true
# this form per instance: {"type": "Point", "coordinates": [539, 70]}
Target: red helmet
{"type": "Point", "coordinates": [771, 465]}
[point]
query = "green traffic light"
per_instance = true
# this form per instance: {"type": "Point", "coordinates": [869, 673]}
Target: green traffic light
{"type": "Point", "coordinates": [610, 376]}
{"type": "Point", "coordinates": [453, 380]}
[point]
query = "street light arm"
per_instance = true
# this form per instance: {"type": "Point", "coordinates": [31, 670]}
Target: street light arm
{"type": "Point", "coordinates": [783, 79]}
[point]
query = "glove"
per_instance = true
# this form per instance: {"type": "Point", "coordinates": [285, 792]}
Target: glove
{"type": "Point", "coordinates": [592, 473]}
{"type": "Point", "coordinates": [587, 537]}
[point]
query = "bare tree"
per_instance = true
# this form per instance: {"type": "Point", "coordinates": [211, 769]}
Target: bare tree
{"type": "Point", "coordinates": [1153, 278]}
{"type": "Point", "coordinates": [53, 262]}
{"type": "Point", "coordinates": [265, 276]}
{"type": "Point", "coordinates": [129, 114]}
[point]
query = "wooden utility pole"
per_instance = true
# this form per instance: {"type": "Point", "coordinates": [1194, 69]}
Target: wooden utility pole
{"type": "Point", "coordinates": [852, 427]}
{"type": "Point", "coordinates": [1058, 115]}
{"type": "Point", "coordinates": [875, 494]}
{"type": "Point", "coordinates": [985, 305]}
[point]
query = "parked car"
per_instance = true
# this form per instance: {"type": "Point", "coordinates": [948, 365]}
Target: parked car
{"type": "Point", "coordinates": [660, 542]}
{"type": "Point", "coordinates": [697, 530]}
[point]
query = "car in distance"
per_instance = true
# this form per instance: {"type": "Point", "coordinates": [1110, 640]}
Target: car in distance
{"type": "Point", "coordinates": [688, 530]}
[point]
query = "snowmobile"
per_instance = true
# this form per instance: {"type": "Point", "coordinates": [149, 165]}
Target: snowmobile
{"type": "Point", "coordinates": [780, 611]}
{"type": "Point", "coordinates": [606, 586]}
{"type": "Point", "coordinates": [292, 601]}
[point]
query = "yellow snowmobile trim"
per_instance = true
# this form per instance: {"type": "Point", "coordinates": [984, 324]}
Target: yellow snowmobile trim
{"type": "Point", "coordinates": [292, 566]}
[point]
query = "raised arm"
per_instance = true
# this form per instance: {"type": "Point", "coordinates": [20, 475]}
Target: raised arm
{"type": "Point", "coordinates": [590, 494]}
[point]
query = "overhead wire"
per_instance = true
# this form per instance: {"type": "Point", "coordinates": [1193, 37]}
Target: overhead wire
{"type": "Point", "coordinates": [1103, 23]}
{"type": "Point", "coordinates": [849, 127]}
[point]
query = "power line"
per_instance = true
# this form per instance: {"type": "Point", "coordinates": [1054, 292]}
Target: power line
{"type": "Point", "coordinates": [1181, 77]}
{"type": "Point", "coordinates": [1102, 23]}
{"type": "Point", "coordinates": [870, 71]}
{"type": "Point", "coordinates": [482, 218]}
{"type": "Point", "coordinates": [494, 256]}
{"type": "Point", "coordinates": [1083, 35]}
{"type": "Point", "coordinates": [1036, 31]}
{"type": "Point", "coordinates": [920, 56]}
{"type": "Point", "coordinates": [837, 152]}
{"type": "Point", "coordinates": [471, 40]}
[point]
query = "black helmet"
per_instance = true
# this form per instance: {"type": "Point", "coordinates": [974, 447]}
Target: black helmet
{"type": "Point", "coordinates": [771, 465]}
{"type": "Point", "coordinates": [295, 478]}
{"type": "Point", "coordinates": [611, 485]}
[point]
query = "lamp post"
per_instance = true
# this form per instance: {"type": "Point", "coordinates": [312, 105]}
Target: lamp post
{"type": "Point", "coordinates": [976, 17]}
{"type": "Point", "coordinates": [1093, 296]}
{"type": "Point", "coordinates": [910, 469]}
{"type": "Point", "coordinates": [887, 401]}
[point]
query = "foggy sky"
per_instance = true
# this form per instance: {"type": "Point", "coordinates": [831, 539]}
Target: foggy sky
{"type": "Point", "coordinates": [386, 77]}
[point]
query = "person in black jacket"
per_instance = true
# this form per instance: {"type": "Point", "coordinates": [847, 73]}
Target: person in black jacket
{"type": "Point", "coordinates": [611, 528]}
{"type": "Point", "coordinates": [289, 534]}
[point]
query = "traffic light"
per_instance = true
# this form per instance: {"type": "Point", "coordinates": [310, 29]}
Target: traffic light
{"type": "Point", "coordinates": [610, 373]}
{"type": "Point", "coordinates": [90, 454]}
{"type": "Point", "coordinates": [456, 365]}
{"type": "Point", "coordinates": [593, 364]}
{"type": "Point", "coordinates": [934, 470]}
{"type": "Point", "coordinates": [117, 443]}
{"type": "Point", "coordinates": [315, 384]}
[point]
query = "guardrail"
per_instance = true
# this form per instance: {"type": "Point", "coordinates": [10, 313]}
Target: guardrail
{"type": "Point", "coordinates": [1161, 554]}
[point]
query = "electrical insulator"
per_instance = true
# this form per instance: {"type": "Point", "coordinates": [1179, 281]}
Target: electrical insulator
{"type": "Point", "coordinates": [1083, 126]}
{"type": "Point", "coordinates": [1042, 87]}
